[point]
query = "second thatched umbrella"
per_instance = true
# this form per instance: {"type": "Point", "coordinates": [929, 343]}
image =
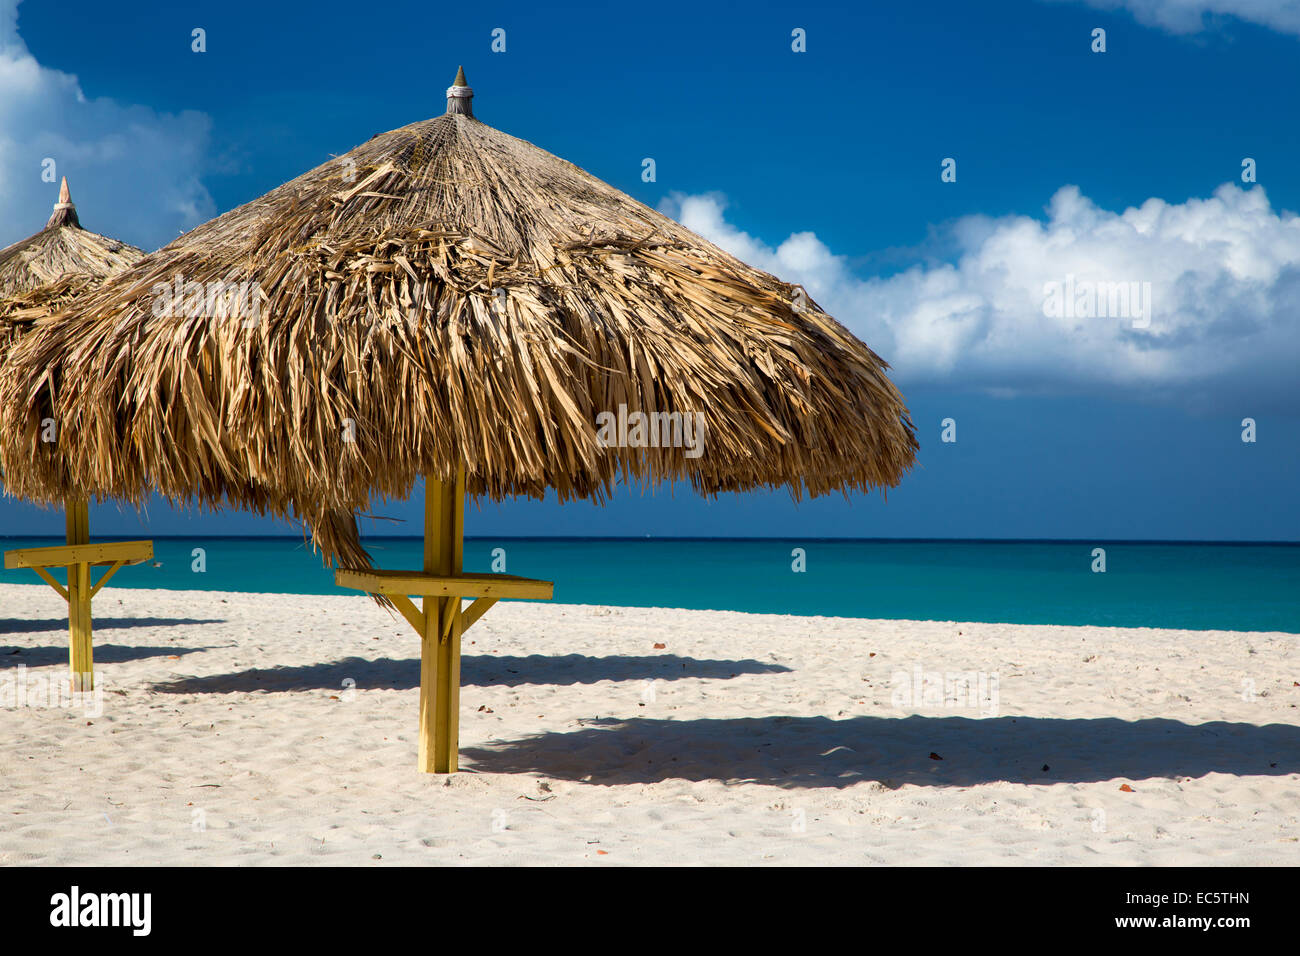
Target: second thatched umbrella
{"type": "Point", "coordinates": [47, 272]}
{"type": "Point", "coordinates": [51, 268]}
{"type": "Point", "coordinates": [451, 302]}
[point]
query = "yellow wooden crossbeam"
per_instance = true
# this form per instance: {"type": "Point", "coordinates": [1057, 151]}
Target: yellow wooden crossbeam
{"type": "Point", "coordinates": [62, 591]}
{"type": "Point", "coordinates": [444, 585]}
{"type": "Point", "coordinates": [65, 555]}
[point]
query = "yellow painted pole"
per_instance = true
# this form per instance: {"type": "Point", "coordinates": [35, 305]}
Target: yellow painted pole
{"type": "Point", "coordinates": [80, 650]}
{"type": "Point", "coordinates": [444, 539]}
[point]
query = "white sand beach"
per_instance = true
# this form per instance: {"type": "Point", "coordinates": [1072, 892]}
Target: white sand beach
{"type": "Point", "coordinates": [281, 729]}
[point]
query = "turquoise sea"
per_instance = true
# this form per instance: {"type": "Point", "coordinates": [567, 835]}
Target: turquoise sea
{"type": "Point", "coordinates": [1252, 587]}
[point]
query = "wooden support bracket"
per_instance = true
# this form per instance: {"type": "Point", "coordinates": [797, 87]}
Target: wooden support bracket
{"type": "Point", "coordinates": [442, 620]}
{"type": "Point", "coordinates": [79, 556]}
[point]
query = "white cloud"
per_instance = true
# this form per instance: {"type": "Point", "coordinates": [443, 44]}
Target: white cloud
{"type": "Point", "coordinates": [1224, 276]}
{"type": "Point", "coordinates": [1193, 16]}
{"type": "Point", "coordinates": [134, 172]}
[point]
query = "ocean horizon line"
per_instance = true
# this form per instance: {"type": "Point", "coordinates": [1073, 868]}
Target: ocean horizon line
{"type": "Point", "coordinates": [1223, 542]}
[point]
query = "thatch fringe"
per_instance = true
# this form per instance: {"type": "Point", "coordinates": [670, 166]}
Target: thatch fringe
{"type": "Point", "coordinates": [18, 312]}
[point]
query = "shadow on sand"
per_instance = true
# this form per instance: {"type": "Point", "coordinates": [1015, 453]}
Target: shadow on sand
{"type": "Point", "coordinates": [104, 654]}
{"type": "Point", "coordinates": [476, 671]}
{"type": "Point", "coordinates": [820, 752]}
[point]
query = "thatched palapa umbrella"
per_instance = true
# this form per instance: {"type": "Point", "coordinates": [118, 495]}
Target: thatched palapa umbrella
{"type": "Point", "coordinates": [451, 302]}
{"type": "Point", "coordinates": [54, 266]}
{"type": "Point", "coordinates": [46, 272]}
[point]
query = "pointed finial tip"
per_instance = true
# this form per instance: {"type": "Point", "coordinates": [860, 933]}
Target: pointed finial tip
{"type": "Point", "coordinates": [65, 213]}
{"type": "Point", "coordinates": [459, 95]}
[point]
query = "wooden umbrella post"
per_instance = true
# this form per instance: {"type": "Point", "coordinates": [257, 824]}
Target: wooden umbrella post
{"type": "Point", "coordinates": [444, 548]}
{"type": "Point", "coordinates": [81, 655]}
{"type": "Point", "coordinates": [83, 260]}
{"type": "Point", "coordinates": [441, 622]}
{"type": "Point", "coordinates": [79, 556]}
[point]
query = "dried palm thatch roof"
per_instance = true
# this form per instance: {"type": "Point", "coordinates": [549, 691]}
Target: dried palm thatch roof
{"type": "Point", "coordinates": [51, 269]}
{"type": "Point", "coordinates": [443, 293]}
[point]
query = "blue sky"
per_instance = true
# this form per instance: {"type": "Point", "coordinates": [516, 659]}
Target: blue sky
{"type": "Point", "coordinates": [821, 166]}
